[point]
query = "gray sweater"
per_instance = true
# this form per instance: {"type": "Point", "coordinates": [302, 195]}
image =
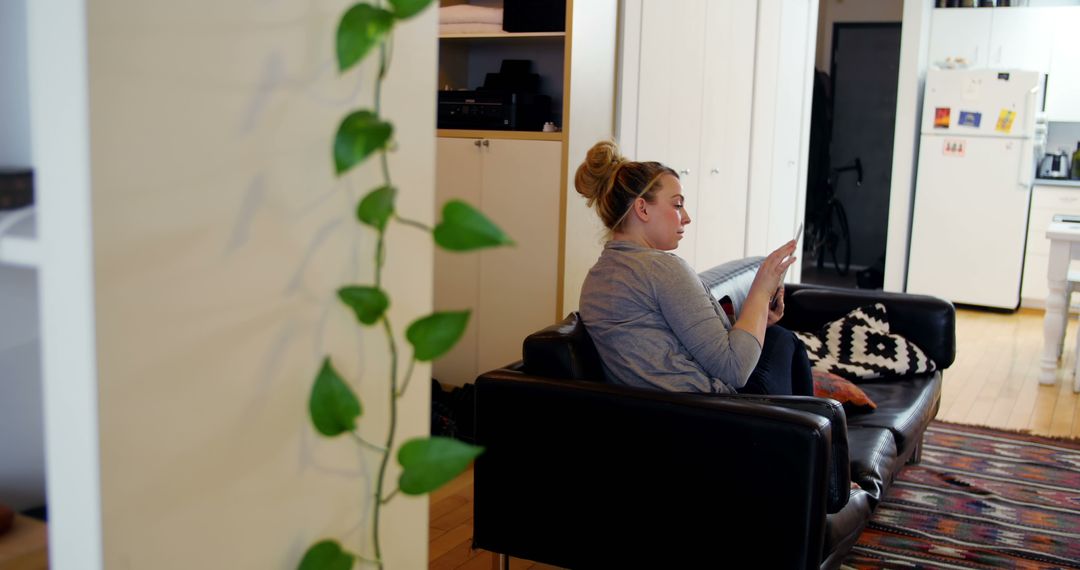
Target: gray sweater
{"type": "Point", "coordinates": [656, 326]}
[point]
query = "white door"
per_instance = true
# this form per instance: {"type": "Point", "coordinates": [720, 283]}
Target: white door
{"type": "Point", "coordinates": [458, 175]}
{"type": "Point", "coordinates": [969, 222]}
{"type": "Point", "coordinates": [670, 98]}
{"type": "Point", "coordinates": [963, 34]}
{"type": "Point", "coordinates": [719, 213]}
{"type": "Point", "coordinates": [517, 285]}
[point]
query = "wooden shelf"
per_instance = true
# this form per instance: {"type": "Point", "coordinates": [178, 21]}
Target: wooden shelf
{"type": "Point", "coordinates": [18, 237]}
{"type": "Point", "coordinates": [502, 35]}
{"type": "Point", "coordinates": [518, 135]}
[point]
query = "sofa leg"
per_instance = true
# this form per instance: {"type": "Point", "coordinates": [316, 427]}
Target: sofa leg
{"type": "Point", "coordinates": [916, 456]}
{"type": "Point", "coordinates": [500, 562]}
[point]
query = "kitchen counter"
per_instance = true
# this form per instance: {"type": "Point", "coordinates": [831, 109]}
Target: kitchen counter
{"type": "Point", "coordinates": [1057, 182]}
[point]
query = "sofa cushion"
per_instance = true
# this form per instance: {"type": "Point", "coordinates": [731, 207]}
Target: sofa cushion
{"type": "Point", "coordinates": [905, 407]}
{"type": "Point", "coordinates": [732, 279]}
{"type": "Point", "coordinates": [842, 529]}
{"type": "Point", "coordinates": [860, 346]}
{"type": "Point", "coordinates": [872, 452]}
{"type": "Point", "coordinates": [854, 400]}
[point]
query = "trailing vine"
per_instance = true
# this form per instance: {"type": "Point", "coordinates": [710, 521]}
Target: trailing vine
{"type": "Point", "coordinates": [430, 462]}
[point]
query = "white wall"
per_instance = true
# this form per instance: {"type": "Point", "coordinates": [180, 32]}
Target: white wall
{"type": "Point", "coordinates": [591, 119]}
{"type": "Point", "coordinates": [833, 11]}
{"type": "Point", "coordinates": [219, 235]}
{"type": "Point", "coordinates": [22, 439]}
{"type": "Point", "coordinates": [14, 93]}
{"type": "Point", "coordinates": [914, 48]}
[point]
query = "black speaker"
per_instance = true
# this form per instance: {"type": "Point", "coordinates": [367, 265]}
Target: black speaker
{"type": "Point", "coordinates": [534, 15]}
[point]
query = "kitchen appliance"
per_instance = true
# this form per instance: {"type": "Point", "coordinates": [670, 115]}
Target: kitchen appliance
{"type": "Point", "coordinates": [977, 153]}
{"type": "Point", "coordinates": [1055, 165]}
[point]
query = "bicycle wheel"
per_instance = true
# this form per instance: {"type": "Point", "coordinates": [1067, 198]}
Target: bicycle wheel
{"type": "Point", "coordinates": [840, 246]}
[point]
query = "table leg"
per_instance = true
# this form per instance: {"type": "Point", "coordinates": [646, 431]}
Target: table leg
{"type": "Point", "coordinates": [1056, 311]}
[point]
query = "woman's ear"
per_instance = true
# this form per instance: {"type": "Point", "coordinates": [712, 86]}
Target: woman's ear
{"type": "Point", "coordinates": [640, 210]}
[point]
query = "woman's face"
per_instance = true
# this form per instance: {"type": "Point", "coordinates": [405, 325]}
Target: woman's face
{"type": "Point", "coordinates": [667, 215]}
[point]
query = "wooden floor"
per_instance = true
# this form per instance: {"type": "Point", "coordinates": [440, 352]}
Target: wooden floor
{"type": "Point", "coordinates": [994, 382]}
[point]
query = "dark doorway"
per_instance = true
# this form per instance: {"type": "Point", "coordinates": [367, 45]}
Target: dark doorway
{"type": "Point", "coordinates": [849, 179]}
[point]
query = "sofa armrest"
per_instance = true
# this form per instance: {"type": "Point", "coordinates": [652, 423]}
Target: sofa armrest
{"type": "Point", "coordinates": [582, 474]}
{"type": "Point", "coordinates": [927, 321]}
{"type": "Point", "coordinates": [839, 485]}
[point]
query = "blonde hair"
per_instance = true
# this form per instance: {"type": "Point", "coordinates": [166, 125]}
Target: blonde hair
{"type": "Point", "coordinates": [611, 183]}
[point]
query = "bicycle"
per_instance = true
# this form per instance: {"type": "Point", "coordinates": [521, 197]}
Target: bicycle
{"type": "Point", "coordinates": [836, 242]}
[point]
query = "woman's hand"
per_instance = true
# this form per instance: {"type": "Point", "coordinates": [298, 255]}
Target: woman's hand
{"type": "Point", "coordinates": [776, 310]}
{"type": "Point", "coordinates": [770, 275]}
{"type": "Point", "coordinates": [757, 312]}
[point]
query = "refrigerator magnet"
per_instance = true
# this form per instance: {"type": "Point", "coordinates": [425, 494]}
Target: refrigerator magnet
{"type": "Point", "coordinates": [969, 119]}
{"type": "Point", "coordinates": [1005, 121]}
{"type": "Point", "coordinates": [953, 147]}
{"type": "Point", "coordinates": [941, 117]}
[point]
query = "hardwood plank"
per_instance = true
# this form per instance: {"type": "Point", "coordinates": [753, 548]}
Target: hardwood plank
{"type": "Point", "coordinates": [460, 554]}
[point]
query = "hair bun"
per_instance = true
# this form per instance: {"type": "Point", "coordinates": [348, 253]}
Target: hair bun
{"type": "Point", "coordinates": [594, 175]}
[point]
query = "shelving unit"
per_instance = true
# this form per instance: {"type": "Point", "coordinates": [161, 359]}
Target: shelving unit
{"type": "Point", "coordinates": [18, 237]}
{"type": "Point", "coordinates": [521, 179]}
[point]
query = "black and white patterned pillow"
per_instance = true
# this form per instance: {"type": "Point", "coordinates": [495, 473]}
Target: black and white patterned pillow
{"type": "Point", "coordinates": [859, 346]}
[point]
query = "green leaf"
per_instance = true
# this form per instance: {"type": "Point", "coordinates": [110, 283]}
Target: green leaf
{"type": "Point", "coordinates": [333, 406]}
{"type": "Point", "coordinates": [464, 228]}
{"type": "Point", "coordinates": [369, 303]}
{"type": "Point", "coordinates": [377, 207]}
{"type": "Point", "coordinates": [326, 555]}
{"type": "Point", "coordinates": [433, 335]}
{"type": "Point", "coordinates": [360, 29]}
{"type": "Point", "coordinates": [429, 463]}
{"type": "Point", "coordinates": [408, 8]}
{"type": "Point", "coordinates": [360, 134]}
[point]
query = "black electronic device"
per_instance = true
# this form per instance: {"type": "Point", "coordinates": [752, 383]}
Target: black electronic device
{"type": "Point", "coordinates": [16, 188]}
{"type": "Point", "coordinates": [509, 100]}
{"type": "Point", "coordinates": [534, 15]}
{"type": "Point", "coordinates": [492, 110]}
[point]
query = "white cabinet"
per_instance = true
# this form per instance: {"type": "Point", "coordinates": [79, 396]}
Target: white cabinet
{"type": "Point", "coordinates": [516, 183]}
{"type": "Point", "coordinates": [1063, 85]}
{"type": "Point", "coordinates": [1005, 38]}
{"type": "Point", "coordinates": [693, 100]}
{"type": "Point", "coordinates": [1046, 201]}
{"type": "Point", "coordinates": [960, 35]}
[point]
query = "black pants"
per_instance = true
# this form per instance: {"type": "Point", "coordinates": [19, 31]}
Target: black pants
{"type": "Point", "coordinates": [783, 368]}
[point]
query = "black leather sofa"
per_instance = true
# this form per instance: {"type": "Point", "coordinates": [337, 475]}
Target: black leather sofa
{"type": "Point", "coordinates": [580, 473]}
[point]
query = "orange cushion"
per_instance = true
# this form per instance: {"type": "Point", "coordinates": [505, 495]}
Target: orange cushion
{"type": "Point", "coordinates": [854, 400]}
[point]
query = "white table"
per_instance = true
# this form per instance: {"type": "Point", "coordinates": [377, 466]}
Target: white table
{"type": "Point", "coordinates": [1064, 247]}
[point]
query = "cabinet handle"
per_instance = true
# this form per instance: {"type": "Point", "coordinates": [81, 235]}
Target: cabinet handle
{"type": "Point", "coordinates": [684, 172]}
{"type": "Point", "coordinates": [476, 143]}
{"type": "Point", "coordinates": [714, 171]}
{"type": "Point", "coordinates": [487, 142]}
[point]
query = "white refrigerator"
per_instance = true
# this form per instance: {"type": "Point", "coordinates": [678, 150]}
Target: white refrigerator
{"type": "Point", "coordinates": [979, 138]}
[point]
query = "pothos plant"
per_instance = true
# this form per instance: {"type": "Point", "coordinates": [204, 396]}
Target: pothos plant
{"type": "Point", "coordinates": [426, 463]}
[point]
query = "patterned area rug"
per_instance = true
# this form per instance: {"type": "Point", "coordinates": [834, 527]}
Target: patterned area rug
{"type": "Point", "coordinates": [981, 498]}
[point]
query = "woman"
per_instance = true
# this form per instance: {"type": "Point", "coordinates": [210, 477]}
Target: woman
{"type": "Point", "coordinates": [654, 323]}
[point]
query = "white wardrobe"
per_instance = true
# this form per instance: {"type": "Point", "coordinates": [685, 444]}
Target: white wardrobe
{"type": "Point", "coordinates": [720, 90]}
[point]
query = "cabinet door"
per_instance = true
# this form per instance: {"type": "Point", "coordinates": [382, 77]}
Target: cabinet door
{"type": "Point", "coordinates": [1063, 85]}
{"type": "Point", "coordinates": [1046, 202]}
{"type": "Point", "coordinates": [719, 213]}
{"type": "Point", "coordinates": [457, 275]}
{"type": "Point", "coordinates": [520, 193]}
{"type": "Point", "coordinates": [961, 34]}
{"type": "Point", "coordinates": [670, 97]}
{"type": "Point", "coordinates": [1020, 38]}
